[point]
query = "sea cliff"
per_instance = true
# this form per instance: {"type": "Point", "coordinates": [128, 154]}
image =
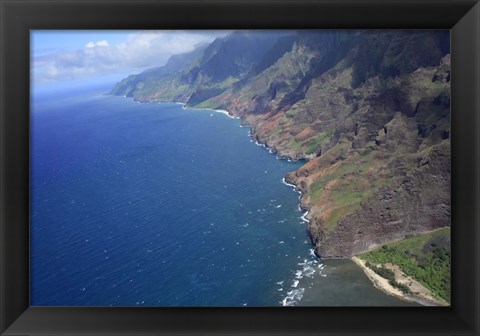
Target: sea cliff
{"type": "Point", "coordinates": [368, 110]}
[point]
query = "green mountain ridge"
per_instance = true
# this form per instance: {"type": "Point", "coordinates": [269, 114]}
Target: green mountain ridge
{"type": "Point", "coordinates": [369, 110]}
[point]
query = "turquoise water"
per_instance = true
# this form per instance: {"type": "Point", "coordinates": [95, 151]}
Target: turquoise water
{"type": "Point", "coordinates": [154, 205]}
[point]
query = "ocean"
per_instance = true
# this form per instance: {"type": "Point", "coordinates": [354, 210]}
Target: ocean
{"type": "Point", "coordinates": [136, 204]}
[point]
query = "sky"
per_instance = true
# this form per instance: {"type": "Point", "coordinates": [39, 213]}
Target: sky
{"type": "Point", "coordinates": [58, 56]}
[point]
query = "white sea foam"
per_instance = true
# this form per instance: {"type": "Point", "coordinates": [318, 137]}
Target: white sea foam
{"type": "Point", "coordinates": [288, 184]}
{"type": "Point", "coordinates": [226, 113]}
{"type": "Point", "coordinates": [208, 109]}
{"type": "Point", "coordinates": [293, 297]}
{"type": "Point", "coordinates": [260, 144]}
{"type": "Point", "coordinates": [309, 271]}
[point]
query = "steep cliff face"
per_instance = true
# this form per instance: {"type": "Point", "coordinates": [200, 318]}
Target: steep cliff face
{"type": "Point", "coordinates": [387, 174]}
{"type": "Point", "coordinates": [369, 110]}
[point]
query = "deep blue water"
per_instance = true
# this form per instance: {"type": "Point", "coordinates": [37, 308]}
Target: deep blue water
{"type": "Point", "coordinates": [154, 205]}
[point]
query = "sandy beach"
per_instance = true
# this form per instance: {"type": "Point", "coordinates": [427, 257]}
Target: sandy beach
{"type": "Point", "coordinates": [422, 295]}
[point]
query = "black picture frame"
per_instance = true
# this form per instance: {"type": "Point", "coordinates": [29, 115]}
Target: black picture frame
{"type": "Point", "coordinates": [18, 17]}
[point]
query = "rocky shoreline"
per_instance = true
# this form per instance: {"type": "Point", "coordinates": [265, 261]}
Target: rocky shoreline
{"type": "Point", "coordinates": [369, 112]}
{"type": "Point", "coordinates": [296, 179]}
{"type": "Point", "coordinates": [289, 179]}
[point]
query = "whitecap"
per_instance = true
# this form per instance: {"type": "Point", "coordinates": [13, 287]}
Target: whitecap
{"type": "Point", "coordinates": [308, 271]}
{"type": "Point", "coordinates": [304, 217]}
{"type": "Point", "coordinates": [293, 297]}
{"type": "Point", "coordinates": [288, 184]}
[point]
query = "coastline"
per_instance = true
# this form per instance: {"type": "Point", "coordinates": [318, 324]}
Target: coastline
{"type": "Point", "coordinates": [295, 295]}
{"type": "Point", "coordinates": [227, 113]}
{"type": "Point", "coordinates": [377, 281]}
{"type": "Point", "coordinates": [254, 139]}
{"type": "Point", "coordinates": [383, 285]}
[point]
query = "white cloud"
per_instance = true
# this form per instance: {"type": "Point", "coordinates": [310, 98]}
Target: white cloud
{"type": "Point", "coordinates": [139, 51]}
{"type": "Point", "coordinates": [102, 43]}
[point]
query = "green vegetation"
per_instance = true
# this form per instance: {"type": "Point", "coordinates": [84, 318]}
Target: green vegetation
{"type": "Point", "coordinates": [351, 185]}
{"type": "Point", "coordinates": [295, 144]}
{"type": "Point", "coordinates": [346, 202]}
{"type": "Point", "coordinates": [389, 275]}
{"type": "Point", "coordinates": [313, 145]}
{"type": "Point", "coordinates": [206, 104]}
{"type": "Point", "coordinates": [425, 258]}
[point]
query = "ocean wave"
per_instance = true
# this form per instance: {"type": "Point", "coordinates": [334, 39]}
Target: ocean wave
{"type": "Point", "coordinates": [208, 109]}
{"type": "Point", "coordinates": [226, 113]}
{"type": "Point", "coordinates": [309, 267]}
{"type": "Point", "coordinates": [293, 297]}
{"type": "Point", "coordinates": [288, 184]}
{"type": "Point", "coordinates": [260, 144]}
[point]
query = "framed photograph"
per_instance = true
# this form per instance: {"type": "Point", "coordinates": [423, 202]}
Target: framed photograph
{"type": "Point", "coordinates": [228, 167]}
